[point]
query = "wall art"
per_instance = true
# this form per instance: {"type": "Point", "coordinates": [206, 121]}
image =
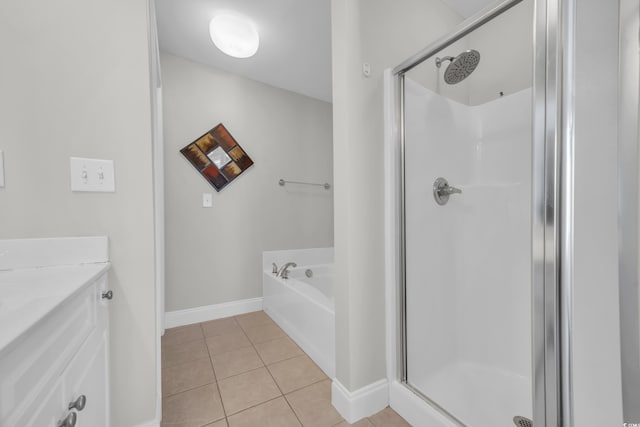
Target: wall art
{"type": "Point", "coordinates": [218, 157]}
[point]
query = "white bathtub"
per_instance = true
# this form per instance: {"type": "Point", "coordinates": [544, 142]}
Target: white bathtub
{"type": "Point", "coordinates": [302, 306]}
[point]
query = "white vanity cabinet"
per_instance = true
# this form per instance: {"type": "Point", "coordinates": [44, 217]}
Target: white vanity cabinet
{"type": "Point", "coordinates": [55, 372]}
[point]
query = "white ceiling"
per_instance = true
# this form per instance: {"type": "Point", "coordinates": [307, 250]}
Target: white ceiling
{"type": "Point", "coordinates": [295, 39]}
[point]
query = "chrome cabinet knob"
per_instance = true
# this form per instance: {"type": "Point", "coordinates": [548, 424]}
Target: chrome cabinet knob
{"type": "Point", "coordinates": [107, 295]}
{"type": "Point", "coordinates": [68, 421]}
{"type": "Point", "coordinates": [79, 403]}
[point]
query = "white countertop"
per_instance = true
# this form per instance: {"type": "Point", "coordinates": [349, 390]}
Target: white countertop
{"type": "Point", "coordinates": [27, 295]}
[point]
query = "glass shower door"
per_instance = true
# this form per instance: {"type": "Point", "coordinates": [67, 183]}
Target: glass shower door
{"type": "Point", "coordinates": [467, 216]}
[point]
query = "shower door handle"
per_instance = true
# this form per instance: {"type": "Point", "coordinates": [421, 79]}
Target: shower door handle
{"type": "Point", "coordinates": [442, 190]}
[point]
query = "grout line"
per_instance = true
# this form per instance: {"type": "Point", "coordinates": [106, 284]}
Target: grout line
{"type": "Point", "coordinates": [215, 421]}
{"type": "Point", "coordinates": [241, 373]}
{"type": "Point", "coordinates": [251, 370]}
{"type": "Point", "coordinates": [282, 360]}
{"type": "Point", "coordinates": [189, 389]}
{"type": "Point", "coordinates": [257, 404]}
{"type": "Point", "coordinates": [245, 314]}
{"type": "Point", "coordinates": [225, 352]}
{"type": "Point", "coordinates": [182, 343]}
{"type": "Point", "coordinates": [274, 380]}
{"type": "Point", "coordinates": [253, 346]}
{"type": "Point", "coordinates": [184, 363]}
{"type": "Point", "coordinates": [308, 385]}
{"type": "Point", "coordinates": [295, 414]}
{"type": "Point", "coordinates": [224, 410]}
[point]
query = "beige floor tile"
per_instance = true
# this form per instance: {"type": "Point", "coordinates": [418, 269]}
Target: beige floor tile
{"type": "Point", "coordinates": [250, 320]}
{"type": "Point", "coordinates": [265, 332]}
{"type": "Point", "coordinates": [182, 334]}
{"type": "Point", "coordinates": [313, 407]}
{"type": "Point", "coordinates": [220, 327]}
{"type": "Point", "coordinates": [181, 353]}
{"type": "Point", "coordinates": [295, 373]}
{"type": "Point", "coordinates": [227, 342]}
{"type": "Point", "coordinates": [362, 423]}
{"type": "Point", "coordinates": [246, 390]}
{"type": "Point", "coordinates": [193, 408]}
{"type": "Point", "coordinates": [221, 423]}
{"type": "Point", "coordinates": [388, 418]}
{"type": "Point", "coordinates": [235, 362]}
{"type": "Point", "coordinates": [186, 376]}
{"type": "Point", "coordinates": [275, 413]}
{"type": "Point", "coordinates": [277, 350]}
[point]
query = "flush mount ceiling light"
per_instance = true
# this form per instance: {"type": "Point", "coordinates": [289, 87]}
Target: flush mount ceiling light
{"type": "Point", "coordinates": [234, 35]}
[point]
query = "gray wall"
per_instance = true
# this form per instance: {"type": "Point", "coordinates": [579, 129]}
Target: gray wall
{"type": "Point", "coordinates": [214, 255]}
{"type": "Point", "coordinates": [74, 81]}
{"type": "Point", "coordinates": [382, 33]}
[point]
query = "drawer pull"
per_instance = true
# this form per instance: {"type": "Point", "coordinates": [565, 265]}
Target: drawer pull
{"type": "Point", "coordinates": [79, 403]}
{"type": "Point", "coordinates": [107, 295]}
{"type": "Point", "coordinates": [68, 421]}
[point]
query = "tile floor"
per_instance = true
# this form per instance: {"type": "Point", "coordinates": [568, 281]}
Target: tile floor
{"type": "Point", "coordinates": [244, 371]}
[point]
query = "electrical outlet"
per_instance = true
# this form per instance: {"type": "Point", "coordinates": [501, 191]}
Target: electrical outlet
{"type": "Point", "coordinates": [93, 175]}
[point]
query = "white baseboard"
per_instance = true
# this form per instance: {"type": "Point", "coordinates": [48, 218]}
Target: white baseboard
{"type": "Point", "coordinates": [211, 312]}
{"type": "Point", "coordinates": [152, 423]}
{"type": "Point", "coordinates": [366, 401]}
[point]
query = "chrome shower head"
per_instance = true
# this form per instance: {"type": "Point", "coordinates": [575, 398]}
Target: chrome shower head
{"type": "Point", "coordinates": [460, 67]}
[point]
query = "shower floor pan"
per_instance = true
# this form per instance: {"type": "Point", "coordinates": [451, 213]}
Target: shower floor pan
{"type": "Point", "coordinates": [478, 395]}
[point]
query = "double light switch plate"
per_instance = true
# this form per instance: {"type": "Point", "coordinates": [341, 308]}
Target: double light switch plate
{"type": "Point", "coordinates": [93, 175]}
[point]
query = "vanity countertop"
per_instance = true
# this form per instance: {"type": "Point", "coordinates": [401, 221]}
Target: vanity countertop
{"type": "Point", "coordinates": [28, 295]}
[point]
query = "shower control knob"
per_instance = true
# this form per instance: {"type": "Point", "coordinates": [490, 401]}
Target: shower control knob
{"type": "Point", "coordinates": [442, 190]}
{"type": "Point", "coordinates": [107, 295]}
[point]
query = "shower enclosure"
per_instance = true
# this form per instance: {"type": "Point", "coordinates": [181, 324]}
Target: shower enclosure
{"type": "Point", "coordinates": [473, 239]}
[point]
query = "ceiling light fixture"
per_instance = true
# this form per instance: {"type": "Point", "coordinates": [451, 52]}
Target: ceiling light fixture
{"type": "Point", "coordinates": [234, 35]}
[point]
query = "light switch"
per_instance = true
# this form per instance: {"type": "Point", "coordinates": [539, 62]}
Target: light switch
{"type": "Point", "coordinates": [207, 200]}
{"type": "Point", "coordinates": [1, 169]}
{"type": "Point", "coordinates": [94, 175]}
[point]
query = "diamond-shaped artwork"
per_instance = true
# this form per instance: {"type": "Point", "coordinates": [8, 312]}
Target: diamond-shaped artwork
{"type": "Point", "coordinates": [218, 157]}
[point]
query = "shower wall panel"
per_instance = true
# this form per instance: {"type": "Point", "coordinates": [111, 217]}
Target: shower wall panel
{"type": "Point", "coordinates": [468, 262]}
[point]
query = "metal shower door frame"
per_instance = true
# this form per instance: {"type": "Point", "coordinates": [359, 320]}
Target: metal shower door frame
{"type": "Point", "coordinates": [552, 205]}
{"type": "Point", "coordinates": [629, 113]}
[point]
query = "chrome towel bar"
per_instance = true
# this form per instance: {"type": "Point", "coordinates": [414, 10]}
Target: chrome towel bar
{"type": "Point", "coordinates": [326, 185]}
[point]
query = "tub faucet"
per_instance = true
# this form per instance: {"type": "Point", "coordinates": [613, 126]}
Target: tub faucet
{"type": "Point", "coordinates": [274, 268]}
{"type": "Point", "coordinates": [284, 270]}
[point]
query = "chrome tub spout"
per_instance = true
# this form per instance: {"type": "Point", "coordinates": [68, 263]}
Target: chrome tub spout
{"type": "Point", "coordinates": [284, 270]}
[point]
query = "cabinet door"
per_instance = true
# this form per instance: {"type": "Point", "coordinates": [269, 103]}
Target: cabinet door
{"type": "Point", "coordinates": [86, 376]}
